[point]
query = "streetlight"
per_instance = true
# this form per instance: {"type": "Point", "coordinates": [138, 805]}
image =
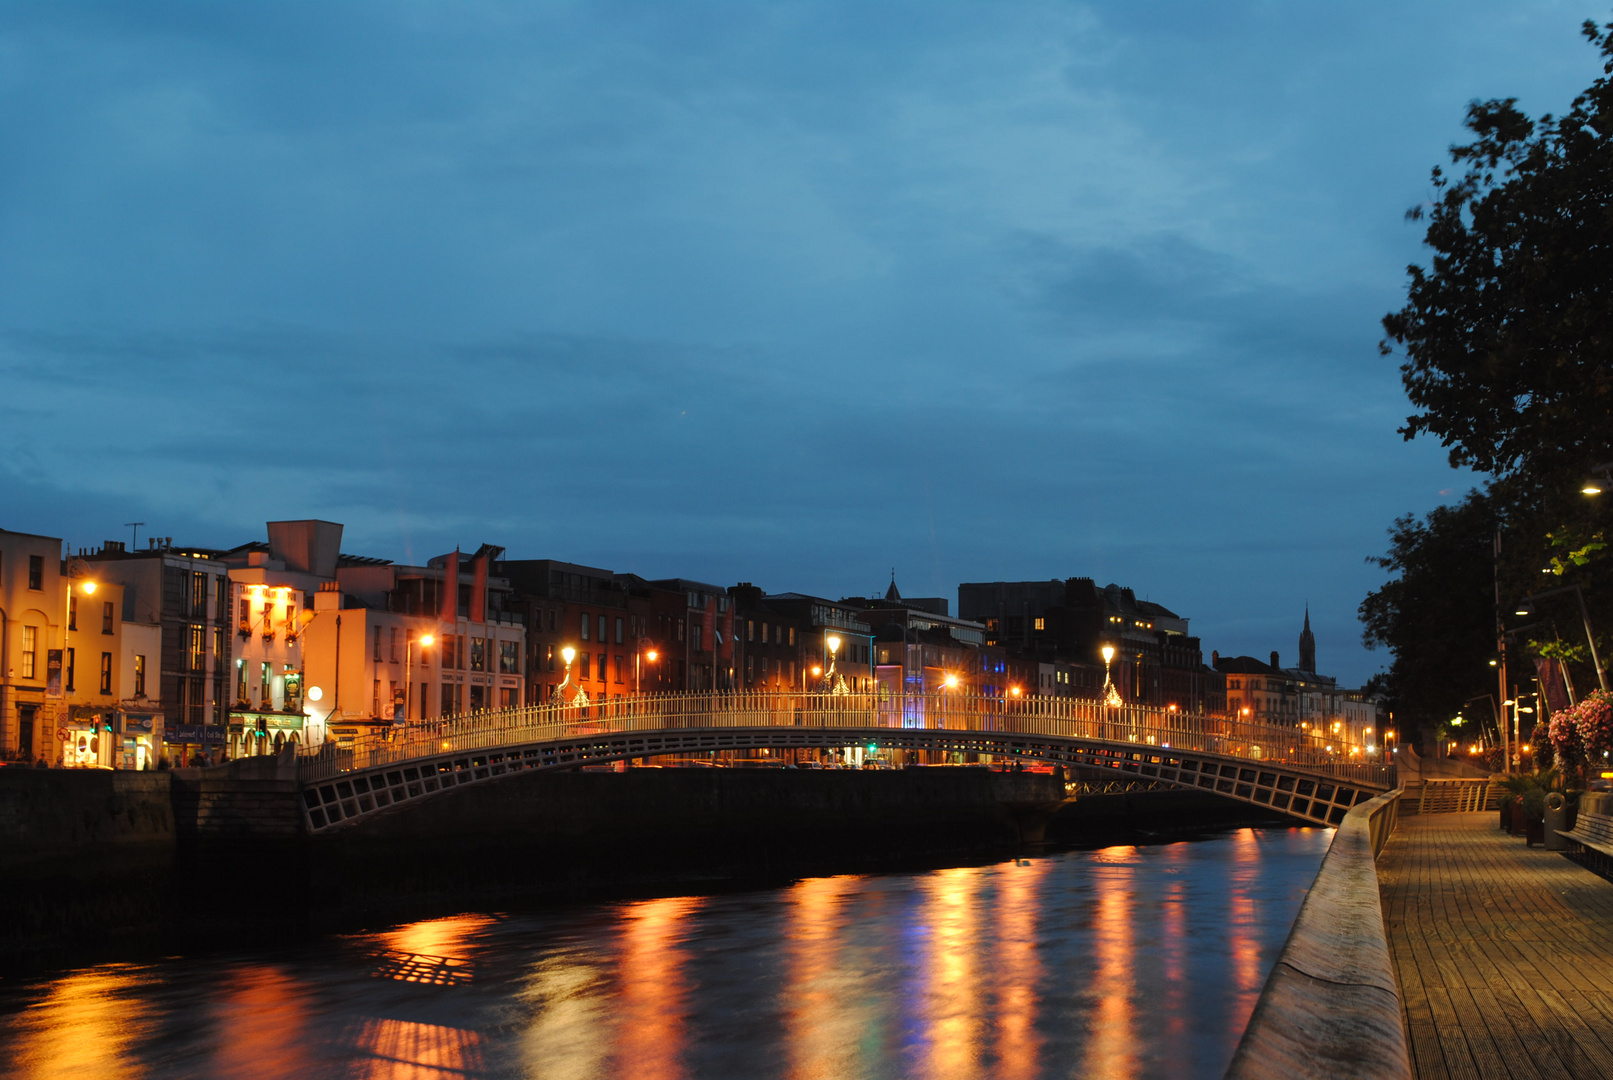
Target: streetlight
{"type": "Point", "coordinates": [1111, 695]}
{"type": "Point", "coordinates": [833, 642]}
{"type": "Point", "coordinates": [568, 654]}
{"type": "Point", "coordinates": [425, 641]}
{"type": "Point", "coordinates": [1526, 607]}
{"type": "Point", "coordinates": [638, 683]}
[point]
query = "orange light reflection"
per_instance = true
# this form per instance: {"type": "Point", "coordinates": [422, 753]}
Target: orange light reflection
{"type": "Point", "coordinates": [1111, 1042]}
{"type": "Point", "coordinates": [1018, 968]}
{"type": "Point", "coordinates": [822, 1033]}
{"type": "Point", "coordinates": [85, 1027]}
{"type": "Point", "coordinates": [952, 1008]}
{"type": "Point", "coordinates": [652, 1005]}
{"type": "Point", "coordinates": [265, 1013]}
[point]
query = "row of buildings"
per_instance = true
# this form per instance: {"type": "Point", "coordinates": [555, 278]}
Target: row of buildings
{"type": "Point", "coordinates": [118, 656]}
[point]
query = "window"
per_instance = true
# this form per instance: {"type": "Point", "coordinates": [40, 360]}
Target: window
{"type": "Point", "coordinates": [240, 677]}
{"type": "Point", "coordinates": [619, 666]}
{"type": "Point", "coordinates": [218, 648]}
{"type": "Point", "coordinates": [1041, 624]}
{"type": "Point", "coordinates": [792, 642]}
{"type": "Point", "coordinates": [603, 673]}
{"type": "Point", "coordinates": [198, 594]}
{"type": "Point", "coordinates": [394, 644]}
{"type": "Point", "coordinates": [106, 673]}
{"type": "Point", "coordinates": [509, 658]}
{"type": "Point", "coordinates": [266, 684]}
{"type": "Point", "coordinates": [587, 624]}
{"type": "Point", "coordinates": [583, 668]}
{"type": "Point", "coordinates": [750, 667]}
{"type": "Point", "coordinates": [478, 654]}
{"type": "Point", "coordinates": [554, 620]}
{"type": "Point", "coordinates": [680, 629]}
{"type": "Point", "coordinates": [72, 612]}
{"type": "Point", "coordinates": [618, 630]}
{"type": "Point", "coordinates": [72, 662]}
{"type": "Point", "coordinates": [106, 617]}
{"type": "Point", "coordinates": [36, 571]}
{"type": "Point", "coordinates": [30, 649]}
{"type": "Point", "coordinates": [750, 630]}
{"type": "Point", "coordinates": [699, 636]}
{"type": "Point", "coordinates": [377, 644]}
{"type": "Point", "coordinates": [222, 612]}
{"type": "Point", "coordinates": [602, 638]}
{"type": "Point", "coordinates": [195, 649]}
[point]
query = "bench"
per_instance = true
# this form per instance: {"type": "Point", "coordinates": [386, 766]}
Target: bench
{"type": "Point", "coordinates": [1593, 830]}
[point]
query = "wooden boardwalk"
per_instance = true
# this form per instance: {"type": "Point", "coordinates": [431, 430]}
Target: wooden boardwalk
{"type": "Point", "coordinates": [1504, 954]}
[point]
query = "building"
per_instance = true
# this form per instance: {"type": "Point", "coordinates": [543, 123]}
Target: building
{"type": "Point", "coordinates": [770, 643]}
{"type": "Point", "coordinates": [1067, 624]}
{"type": "Point", "coordinates": [31, 617]}
{"type": "Point", "coordinates": [699, 634]}
{"type": "Point", "coordinates": [185, 592]}
{"type": "Point", "coordinates": [604, 618]}
{"type": "Point", "coordinates": [1298, 697]}
{"type": "Point", "coordinates": [919, 649]}
{"type": "Point", "coordinates": [821, 623]}
{"type": "Point", "coordinates": [390, 644]}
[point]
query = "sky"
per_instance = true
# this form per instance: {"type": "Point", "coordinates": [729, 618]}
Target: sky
{"type": "Point", "coordinates": [793, 294]}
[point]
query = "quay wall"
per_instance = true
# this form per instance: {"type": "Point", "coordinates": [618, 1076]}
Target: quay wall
{"type": "Point", "coordinates": [542, 837]}
{"type": "Point", "coordinates": [1331, 1007]}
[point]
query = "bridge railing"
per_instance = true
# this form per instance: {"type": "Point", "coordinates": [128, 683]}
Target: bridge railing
{"type": "Point", "coordinates": [960, 712]}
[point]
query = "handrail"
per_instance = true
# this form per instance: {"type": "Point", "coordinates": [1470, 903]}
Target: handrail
{"type": "Point", "coordinates": [1331, 1006]}
{"type": "Point", "coordinates": [964, 713]}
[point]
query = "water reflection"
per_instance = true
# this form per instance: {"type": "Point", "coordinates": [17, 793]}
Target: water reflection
{"type": "Point", "coordinates": [650, 1033]}
{"type": "Point", "coordinates": [1017, 969]}
{"type": "Point", "coordinates": [86, 1026]}
{"type": "Point", "coordinates": [1112, 1040]}
{"type": "Point", "coordinates": [1125, 962]}
{"type": "Point", "coordinates": [822, 1022]}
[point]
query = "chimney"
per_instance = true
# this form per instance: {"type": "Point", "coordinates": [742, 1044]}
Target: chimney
{"type": "Point", "coordinates": [1274, 662]}
{"type": "Point", "coordinates": [1215, 657]}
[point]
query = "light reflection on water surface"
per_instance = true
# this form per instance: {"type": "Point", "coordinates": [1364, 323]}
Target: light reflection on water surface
{"type": "Point", "coordinates": [1123, 962]}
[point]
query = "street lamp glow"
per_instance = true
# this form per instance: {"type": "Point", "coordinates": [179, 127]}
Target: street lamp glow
{"type": "Point", "coordinates": [833, 642]}
{"type": "Point", "coordinates": [652, 656]}
{"type": "Point", "coordinates": [89, 588]}
{"type": "Point", "coordinates": [1590, 489]}
{"type": "Point", "coordinates": [1108, 653]}
{"type": "Point", "coordinates": [951, 681]}
{"type": "Point", "coordinates": [568, 654]}
{"type": "Point", "coordinates": [427, 641]}
{"type": "Point", "coordinates": [315, 693]}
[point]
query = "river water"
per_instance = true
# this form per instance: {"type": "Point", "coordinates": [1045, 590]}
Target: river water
{"type": "Point", "coordinates": [1118, 962]}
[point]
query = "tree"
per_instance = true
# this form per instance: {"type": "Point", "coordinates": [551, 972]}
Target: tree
{"type": "Point", "coordinates": [1437, 615]}
{"type": "Point", "coordinates": [1508, 335]}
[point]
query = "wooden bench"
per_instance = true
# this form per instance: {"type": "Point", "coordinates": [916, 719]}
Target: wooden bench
{"type": "Point", "coordinates": [1593, 830]}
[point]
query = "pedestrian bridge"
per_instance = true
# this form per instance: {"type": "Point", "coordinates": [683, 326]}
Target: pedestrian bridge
{"type": "Point", "coordinates": [1285, 769]}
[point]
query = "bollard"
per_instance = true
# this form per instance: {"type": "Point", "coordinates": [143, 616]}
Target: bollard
{"type": "Point", "coordinates": [1556, 821]}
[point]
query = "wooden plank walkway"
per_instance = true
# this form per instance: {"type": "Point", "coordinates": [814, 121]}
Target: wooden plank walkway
{"type": "Point", "coordinates": [1504, 954]}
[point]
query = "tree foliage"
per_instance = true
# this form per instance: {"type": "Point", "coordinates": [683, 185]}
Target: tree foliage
{"type": "Point", "coordinates": [1508, 335]}
{"type": "Point", "coordinates": [1436, 615]}
{"type": "Point", "coordinates": [1507, 340]}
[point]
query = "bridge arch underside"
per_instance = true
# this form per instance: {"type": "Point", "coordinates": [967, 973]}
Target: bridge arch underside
{"type": "Point", "coordinates": [1313, 797]}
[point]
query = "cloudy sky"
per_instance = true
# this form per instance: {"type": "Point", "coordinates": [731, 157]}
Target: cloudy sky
{"type": "Point", "coordinates": [785, 293]}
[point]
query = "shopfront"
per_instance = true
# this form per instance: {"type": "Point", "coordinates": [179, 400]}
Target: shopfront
{"type": "Point", "coordinates": [256, 733]}
{"type": "Point", "coordinates": [140, 739]}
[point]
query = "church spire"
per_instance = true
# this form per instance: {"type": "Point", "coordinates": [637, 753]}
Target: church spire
{"type": "Point", "coordinates": [1307, 645]}
{"type": "Point", "coordinates": [891, 594]}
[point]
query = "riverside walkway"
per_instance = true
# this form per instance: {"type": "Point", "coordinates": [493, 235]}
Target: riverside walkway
{"type": "Point", "coordinates": [1503, 954]}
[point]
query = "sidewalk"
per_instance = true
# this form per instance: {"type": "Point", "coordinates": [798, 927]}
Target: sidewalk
{"type": "Point", "coordinates": [1504, 954]}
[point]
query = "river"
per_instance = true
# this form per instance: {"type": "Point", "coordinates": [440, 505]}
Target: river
{"type": "Point", "coordinates": [1129, 961]}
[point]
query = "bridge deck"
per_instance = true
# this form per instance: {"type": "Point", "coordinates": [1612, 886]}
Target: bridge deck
{"type": "Point", "coordinates": [1504, 954]}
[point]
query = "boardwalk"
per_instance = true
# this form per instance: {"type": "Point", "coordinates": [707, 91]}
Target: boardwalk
{"type": "Point", "coordinates": [1504, 954]}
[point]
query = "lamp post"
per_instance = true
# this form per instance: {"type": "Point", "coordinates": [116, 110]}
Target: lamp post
{"type": "Point", "coordinates": [650, 656]}
{"type": "Point", "coordinates": [833, 643]}
{"type": "Point", "coordinates": [75, 570]}
{"type": "Point", "coordinates": [425, 641]}
{"type": "Point", "coordinates": [1526, 607]}
{"type": "Point", "coordinates": [568, 654]}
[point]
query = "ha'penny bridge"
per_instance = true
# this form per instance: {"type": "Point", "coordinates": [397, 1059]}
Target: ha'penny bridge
{"type": "Point", "coordinates": [1281, 768]}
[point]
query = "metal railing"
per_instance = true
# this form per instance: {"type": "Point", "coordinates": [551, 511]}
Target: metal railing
{"type": "Point", "coordinates": [952, 712]}
{"type": "Point", "coordinates": [1461, 796]}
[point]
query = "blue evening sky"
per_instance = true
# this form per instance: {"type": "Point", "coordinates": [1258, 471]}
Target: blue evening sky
{"type": "Point", "coordinates": [785, 293]}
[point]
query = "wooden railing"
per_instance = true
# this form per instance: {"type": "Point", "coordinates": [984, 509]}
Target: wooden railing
{"type": "Point", "coordinates": [962, 713]}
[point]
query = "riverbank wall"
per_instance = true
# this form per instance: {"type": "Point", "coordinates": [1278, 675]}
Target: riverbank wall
{"type": "Point", "coordinates": [97, 864]}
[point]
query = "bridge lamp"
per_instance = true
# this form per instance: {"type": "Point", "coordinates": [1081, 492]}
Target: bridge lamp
{"type": "Point", "coordinates": [833, 642]}
{"type": "Point", "coordinates": [951, 682]}
{"type": "Point", "coordinates": [568, 654]}
{"type": "Point", "coordinates": [1014, 691]}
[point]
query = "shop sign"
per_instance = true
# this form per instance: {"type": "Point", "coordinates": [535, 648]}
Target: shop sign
{"type": "Point", "coordinates": [138, 723]}
{"type": "Point", "coordinates": [195, 733]}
